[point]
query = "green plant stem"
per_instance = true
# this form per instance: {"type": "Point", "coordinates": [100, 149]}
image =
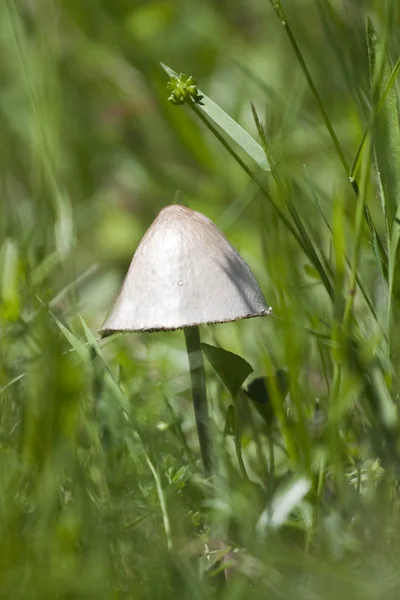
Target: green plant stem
{"type": "Point", "coordinates": [358, 236]}
{"type": "Point", "coordinates": [334, 424]}
{"type": "Point", "coordinates": [268, 465]}
{"type": "Point", "coordinates": [238, 436]}
{"type": "Point", "coordinates": [199, 394]}
{"type": "Point", "coordinates": [161, 497]}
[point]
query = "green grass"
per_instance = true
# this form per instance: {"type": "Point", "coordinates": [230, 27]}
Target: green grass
{"type": "Point", "coordinates": [102, 493]}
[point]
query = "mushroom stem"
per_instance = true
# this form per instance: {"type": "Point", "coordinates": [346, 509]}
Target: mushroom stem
{"type": "Point", "coordinates": [198, 379]}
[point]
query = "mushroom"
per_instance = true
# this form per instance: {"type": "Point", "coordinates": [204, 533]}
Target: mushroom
{"type": "Point", "coordinates": [184, 274]}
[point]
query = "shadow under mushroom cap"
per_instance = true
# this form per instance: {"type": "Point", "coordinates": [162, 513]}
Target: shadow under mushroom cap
{"type": "Point", "coordinates": [184, 273]}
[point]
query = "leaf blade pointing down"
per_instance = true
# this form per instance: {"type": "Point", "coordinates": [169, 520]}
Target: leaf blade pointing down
{"type": "Point", "coordinates": [230, 367]}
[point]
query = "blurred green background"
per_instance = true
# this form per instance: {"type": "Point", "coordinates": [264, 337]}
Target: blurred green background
{"type": "Point", "coordinates": [101, 491]}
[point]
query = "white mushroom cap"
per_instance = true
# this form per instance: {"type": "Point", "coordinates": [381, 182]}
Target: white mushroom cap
{"type": "Point", "coordinates": [184, 273]}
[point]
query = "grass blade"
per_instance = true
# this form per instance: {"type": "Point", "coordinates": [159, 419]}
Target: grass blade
{"type": "Point", "coordinates": [230, 126]}
{"type": "Point", "coordinates": [386, 142]}
{"type": "Point", "coordinates": [386, 136]}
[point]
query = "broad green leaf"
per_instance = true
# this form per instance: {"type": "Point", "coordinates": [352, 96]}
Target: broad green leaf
{"type": "Point", "coordinates": [231, 127]}
{"type": "Point", "coordinates": [232, 369]}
